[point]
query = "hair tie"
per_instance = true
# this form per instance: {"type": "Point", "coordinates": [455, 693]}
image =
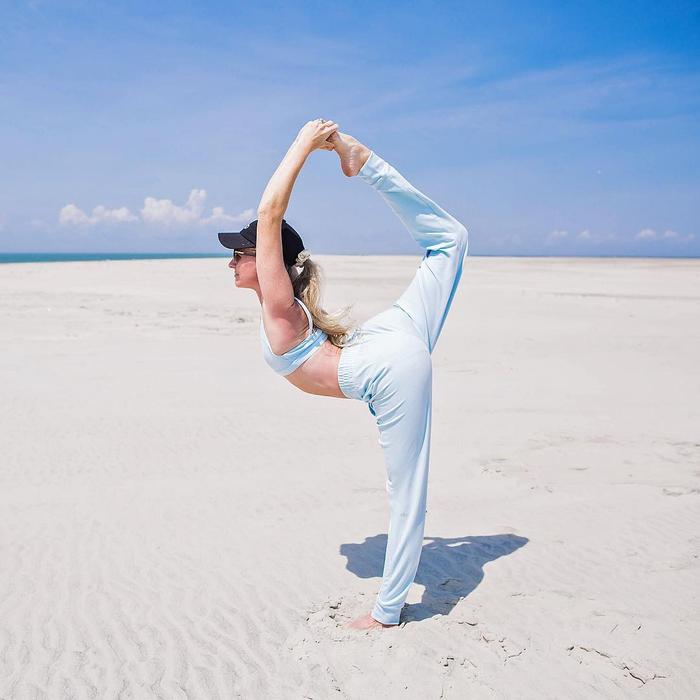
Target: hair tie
{"type": "Point", "coordinates": [302, 258]}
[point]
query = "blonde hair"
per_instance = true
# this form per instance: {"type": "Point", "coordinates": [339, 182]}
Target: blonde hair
{"type": "Point", "coordinates": [307, 284]}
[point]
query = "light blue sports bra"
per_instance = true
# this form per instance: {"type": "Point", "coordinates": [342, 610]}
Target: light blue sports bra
{"type": "Point", "coordinates": [287, 363]}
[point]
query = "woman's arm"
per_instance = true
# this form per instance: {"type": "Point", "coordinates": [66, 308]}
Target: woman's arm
{"type": "Point", "coordinates": [313, 135]}
{"type": "Point", "coordinates": [275, 198]}
{"type": "Point", "coordinates": [275, 284]}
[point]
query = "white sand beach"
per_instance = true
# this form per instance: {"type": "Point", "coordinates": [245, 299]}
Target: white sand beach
{"type": "Point", "coordinates": [177, 521]}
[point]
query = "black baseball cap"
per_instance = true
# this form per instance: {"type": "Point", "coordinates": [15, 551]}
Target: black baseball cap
{"type": "Point", "coordinates": [292, 244]}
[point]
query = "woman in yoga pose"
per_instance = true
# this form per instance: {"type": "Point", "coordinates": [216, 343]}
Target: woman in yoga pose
{"type": "Point", "coordinates": [386, 361]}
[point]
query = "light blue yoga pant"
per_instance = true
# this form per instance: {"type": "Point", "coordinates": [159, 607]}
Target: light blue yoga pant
{"type": "Point", "coordinates": [388, 366]}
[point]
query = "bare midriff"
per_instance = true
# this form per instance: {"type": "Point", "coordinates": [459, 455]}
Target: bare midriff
{"type": "Point", "coordinates": [319, 374]}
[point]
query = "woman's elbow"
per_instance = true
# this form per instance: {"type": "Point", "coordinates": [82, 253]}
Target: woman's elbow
{"type": "Point", "coordinates": [270, 210]}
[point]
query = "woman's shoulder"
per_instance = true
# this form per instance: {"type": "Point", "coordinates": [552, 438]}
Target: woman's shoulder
{"type": "Point", "coordinates": [309, 329]}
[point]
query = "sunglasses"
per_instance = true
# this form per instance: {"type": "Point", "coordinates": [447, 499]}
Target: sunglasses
{"type": "Point", "coordinates": [238, 254]}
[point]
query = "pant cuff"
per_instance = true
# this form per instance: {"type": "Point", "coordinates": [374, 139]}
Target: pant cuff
{"type": "Point", "coordinates": [374, 169]}
{"type": "Point", "coordinates": [384, 617]}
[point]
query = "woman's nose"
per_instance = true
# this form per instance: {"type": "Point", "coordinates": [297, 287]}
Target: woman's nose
{"type": "Point", "coordinates": [232, 264]}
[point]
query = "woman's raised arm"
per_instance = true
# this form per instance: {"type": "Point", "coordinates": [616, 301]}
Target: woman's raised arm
{"type": "Point", "coordinates": [275, 284]}
{"type": "Point", "coordinates": [313, 135]}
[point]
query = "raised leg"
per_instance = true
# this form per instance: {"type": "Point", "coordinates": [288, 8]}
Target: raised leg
{"type": "Point", "coordinates": [428, 298]}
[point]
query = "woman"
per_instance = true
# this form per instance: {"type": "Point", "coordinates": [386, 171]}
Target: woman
{"type": "Point", "coordinates": [386, 362]}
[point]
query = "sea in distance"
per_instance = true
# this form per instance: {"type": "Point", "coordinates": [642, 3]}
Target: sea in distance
{"type": "Point", "coordinates": [78, 257]}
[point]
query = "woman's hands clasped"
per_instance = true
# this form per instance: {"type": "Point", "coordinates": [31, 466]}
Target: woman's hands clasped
{"type": "Point", "coordinates": [314, 135]}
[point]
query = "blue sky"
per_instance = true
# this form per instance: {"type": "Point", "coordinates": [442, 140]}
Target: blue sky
{"type": "Point", "coordinates": [547, 128]}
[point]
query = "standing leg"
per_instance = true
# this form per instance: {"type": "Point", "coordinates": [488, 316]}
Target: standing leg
{"type": "Point", "coordinates": [403, 407]}
{"type": "Point", "coordinates": [402, 397]}
{"type": "Point", "coordinates": [428, 298]}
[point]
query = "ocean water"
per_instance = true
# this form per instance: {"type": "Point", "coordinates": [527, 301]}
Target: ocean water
{"type": "Point", "coordinates": [77, 257]}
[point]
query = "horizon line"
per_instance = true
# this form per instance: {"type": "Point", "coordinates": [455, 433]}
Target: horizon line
{"type": "Point", "coordinates": [205, 254]}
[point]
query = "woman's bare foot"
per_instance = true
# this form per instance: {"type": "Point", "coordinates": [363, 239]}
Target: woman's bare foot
{"type": "Point", "coordinates": [353, 155]}
{"type": "Point", "coordinates": [366, 622]}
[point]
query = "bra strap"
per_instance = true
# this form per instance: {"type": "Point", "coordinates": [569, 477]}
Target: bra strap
{"type": "Point", "coordinates": [308, 315]}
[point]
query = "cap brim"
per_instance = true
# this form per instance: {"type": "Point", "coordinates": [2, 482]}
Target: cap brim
{"type": "Point", "coordinates": [234, 240]}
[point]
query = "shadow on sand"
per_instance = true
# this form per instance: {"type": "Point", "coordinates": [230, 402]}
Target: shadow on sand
{"type": "Point", "coordinates": [450, 567]}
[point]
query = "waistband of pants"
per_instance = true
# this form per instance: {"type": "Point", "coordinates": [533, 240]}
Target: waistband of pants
{"type": "Point", "coordinates": [348, 366]}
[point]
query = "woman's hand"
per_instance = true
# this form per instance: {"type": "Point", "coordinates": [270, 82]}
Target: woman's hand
{"type": "Point", "coordinates": [314, 135]}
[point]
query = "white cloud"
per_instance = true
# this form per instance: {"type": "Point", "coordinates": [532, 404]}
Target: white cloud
{"type": "Point", "coordinates": [120, 215]}
{"type": "Point", "coordinates": [165, 213]}
{"type": "Point", "coordinates": [649, 234]}
{"type": "Point", "coordinates": [594, 238]}
{"type": "Point", "coordinates": [157, 212]}
{"type": "Point", "coordinates": [557, 235]}
{"type": "Point", "coordinates": [219, 217]}
{"type": "Point", "coordinates": [71, 214]}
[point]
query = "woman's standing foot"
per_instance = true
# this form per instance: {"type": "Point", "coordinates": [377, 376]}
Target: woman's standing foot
{"type": "Point", "coordinates": [353, 154]}
{"type": "Point", "coordinates": [366, 622]}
